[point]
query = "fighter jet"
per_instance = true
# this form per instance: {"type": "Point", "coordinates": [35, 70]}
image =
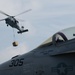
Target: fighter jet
{"type": "Point", "coordinates": [56, 56]}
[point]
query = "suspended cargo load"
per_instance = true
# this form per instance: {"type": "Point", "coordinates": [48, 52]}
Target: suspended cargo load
{"type": "Point", "coordinates": [15, 43]}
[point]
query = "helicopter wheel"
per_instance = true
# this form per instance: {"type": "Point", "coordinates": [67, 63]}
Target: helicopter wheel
{"type": "Point", "coordinates": [22, 27]}
{"type": "Point", "coordinates": [15, 43]}
{"type": "Point", "coordinates": [7, 25]}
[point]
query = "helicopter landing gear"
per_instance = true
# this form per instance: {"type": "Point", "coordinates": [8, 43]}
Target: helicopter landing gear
{"type": "Point", "coordinates": [22, 27]}
{"type": "Point", "coordinates": [7, 25]}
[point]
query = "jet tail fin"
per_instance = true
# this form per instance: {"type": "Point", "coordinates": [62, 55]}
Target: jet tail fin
{"type": "Point", "coordinates": [26, 30]}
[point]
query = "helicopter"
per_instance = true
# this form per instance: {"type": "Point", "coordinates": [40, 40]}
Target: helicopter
{"type": "Point", "coordinates": [11, 21]}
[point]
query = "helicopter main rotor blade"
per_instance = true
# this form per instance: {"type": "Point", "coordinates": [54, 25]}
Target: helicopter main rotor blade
{"type": "Point", "coordinates": [20, 20]}
{"type": "Point", "coordinates": [23, 12]}
{"type": "Point", "coordinates": [4, 13]}
{"type": "Point", "coordinates": [2, 19]}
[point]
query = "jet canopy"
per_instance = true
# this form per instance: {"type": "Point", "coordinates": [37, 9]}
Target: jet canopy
{"type": "Point", "coordinates": [61, 36]}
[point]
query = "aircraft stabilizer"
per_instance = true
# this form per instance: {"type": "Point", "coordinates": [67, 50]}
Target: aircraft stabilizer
{"type": "Point", "coordinates": [26, 30]}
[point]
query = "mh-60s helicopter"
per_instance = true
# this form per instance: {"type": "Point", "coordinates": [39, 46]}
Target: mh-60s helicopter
{"type": "Point", "coordinates": [10, 20]}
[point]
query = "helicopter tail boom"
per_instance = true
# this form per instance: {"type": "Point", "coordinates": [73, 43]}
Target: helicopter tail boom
{"type": "Point", "coordinates": [20, 32]}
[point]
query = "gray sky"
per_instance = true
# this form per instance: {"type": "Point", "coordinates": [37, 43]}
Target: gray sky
{"type": "Point", "coordinates": [46, 18]}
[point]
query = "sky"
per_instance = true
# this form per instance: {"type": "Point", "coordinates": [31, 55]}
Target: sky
{"type": "Point", "coordinates": [46, 18]}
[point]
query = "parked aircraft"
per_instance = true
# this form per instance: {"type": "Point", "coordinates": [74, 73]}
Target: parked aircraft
{"type": "Point", "coordinates": [56, 56]}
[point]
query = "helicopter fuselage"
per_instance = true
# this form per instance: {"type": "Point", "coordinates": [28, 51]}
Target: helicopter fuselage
{"type": "Point", "coordinates": [12, 22]}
